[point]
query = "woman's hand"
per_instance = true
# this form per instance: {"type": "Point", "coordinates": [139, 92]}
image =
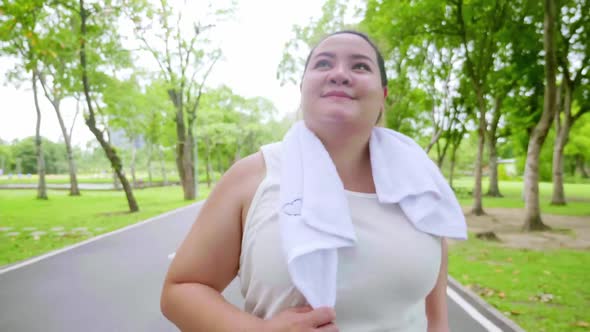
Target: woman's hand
{"type": "Point", "coordinates": [302, 319]}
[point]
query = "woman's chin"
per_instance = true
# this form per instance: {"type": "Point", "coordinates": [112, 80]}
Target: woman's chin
{"type": "Point", "coordinates": [336, 121]}
{"type": "Point", "coordinates": [339, 116]}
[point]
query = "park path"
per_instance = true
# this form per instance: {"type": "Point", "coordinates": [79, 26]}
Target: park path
{"type": "Point", "coordinates": [113, 282]}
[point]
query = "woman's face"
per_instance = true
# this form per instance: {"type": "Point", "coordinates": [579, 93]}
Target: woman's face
{"type": "Point", "coordinates": [342, 84]}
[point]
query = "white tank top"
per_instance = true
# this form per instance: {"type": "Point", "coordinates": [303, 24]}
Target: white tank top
{"type": "Point", "coordinates": [382, 281]}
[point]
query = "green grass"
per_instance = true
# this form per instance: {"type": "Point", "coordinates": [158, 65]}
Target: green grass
{"type": "Point", "coordinates": [106, 210]}
{"type": "Point", "coordinates": [82, 178]}
{"type": "Point", "coordinates": [577, 196]}
{"type": "Point", "coordinates": [514, 282]}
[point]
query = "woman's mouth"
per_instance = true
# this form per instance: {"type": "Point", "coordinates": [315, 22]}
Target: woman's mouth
{"type": "Point", "coordinates": [337, 94]}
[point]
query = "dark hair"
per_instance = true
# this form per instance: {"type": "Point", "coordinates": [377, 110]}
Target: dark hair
{"type": "Point", "coordinates": [380, 61]}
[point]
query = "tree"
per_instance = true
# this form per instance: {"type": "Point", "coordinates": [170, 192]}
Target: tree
{"type": "Point", "coordinates": [25, 151]}
{"type": "Point", "coordinates": [523, 106]}
{"type": "Point", "coordinates": [127, 113]}
{"type": "Point", "coordinates": [55, 77]}
{"type": "Point", "coordinates": [413, 106]}
{"type": "Point", "coordinates": [473, 32]}
{"type": "Point", "coordinates": [6, 157]}
{"type": "Point", "coordinates": [307, 36]}
{"type": "Point", "coordinates": [185, 63]}
{"type": "Point", "coordinates": [231, 126]}
{"type": "Point", "coordinates": [20, 37]}
{"type": "Point", "coordinates": [502, 86]}
{"type": "Point", "coordinates": [99, 26]}
{"type": "Point", "coordinates": [578, 146]}
{"type": "Point", "coordinates": [479, 25]}
{"type": "Point", "coordinates": [159, 110]}
{"type": "Point", "coordinates": [533, 219]}
{"type": "Point", "coordinates": [436, 78]}
{"type": "Point", "coordinates": [42, 186]}
{"type": "Point", "coordinates": [56, 73]}
{"type": "Point", "coordinates": [573, 30]}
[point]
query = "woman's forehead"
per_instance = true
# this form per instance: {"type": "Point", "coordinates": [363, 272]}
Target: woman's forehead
{"type": "Point", "coordinates": [346, 43]}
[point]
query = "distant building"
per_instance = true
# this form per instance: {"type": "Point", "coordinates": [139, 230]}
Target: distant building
{"type": "Point", "coordinates": [509, 166]}
{"type": "Point", "coordinates": [120, 139]}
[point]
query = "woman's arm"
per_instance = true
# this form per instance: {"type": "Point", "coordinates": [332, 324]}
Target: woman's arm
{"type": "Point", "coordinates": [208, 258]}
{"type": "Point", "coordinates": [436, 301]}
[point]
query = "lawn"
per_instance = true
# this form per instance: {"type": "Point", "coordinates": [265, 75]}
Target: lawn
{"type": "Point", "coordinates": [541, 291]}
{"type": "Point", "coordinates": [82, 178]}
{"type": "Point", "coordinates": [577, 196]}
{"type": "Point", "coordinates": [93, 213]}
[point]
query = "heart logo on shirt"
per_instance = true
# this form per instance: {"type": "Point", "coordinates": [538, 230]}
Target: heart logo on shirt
{"type": "Point", "coordinates": [293, 208]}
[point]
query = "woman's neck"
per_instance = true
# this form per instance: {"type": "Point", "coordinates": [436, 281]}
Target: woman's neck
{"type": "Point", "coordinates": [350, 154]}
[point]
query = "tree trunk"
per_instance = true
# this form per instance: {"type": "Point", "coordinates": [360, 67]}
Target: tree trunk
{"type": "Point", "coordinates": [184, 146]}
{"type": "Point", "coordinates": [176, 98]}
{"type": "Point", "coordinates": [194, 156]}
{"type": "Point", "coordinates": [494, 189]}
{"type": "Point", "coordinates": [163, 166]}
{"type": "Point", "coordinates": [457, 138]}
{"type": "Point", "coordinates": [433, 139]}
{"type": "Point", "coordinates": [219, 166]}
{"type": "Point", "coordinates": [149, 163]}
{"type": "Point", "coordinates": [74, 189]}
{"type": "Point", "coordinates": [562, 133]}
{"type": "Point", "coordinates": [116, 183]}
{"type": "Point", "coordinates": [188, 183]}
{"type": "Point", "coordinates": [208, 161]}
{"type": "Point", "coordinates": [533, 219]}
{"type": "Point", "coordinates": [91, 120]}
{"type": "Point", "coordinates": [190, 165]}
{"type": "Point", "coordinates": [571, 166]}
{"type": "Point", "coordinates": [41, 186]}
{"type": "Point", "coordinates": [452, 170]}
{"type": "Point", "coordinates": [18, 166]}
{"type": "Point", "coordinates": [55, 102]}
{"type": "Point", "coordinates": [580, 166]}
{"type": "Point", "coordinates": [132, 164]}
{"type": "Point", "coordinates": [443, 154]}
{"type": "Point", "coordinates": [477, 201]}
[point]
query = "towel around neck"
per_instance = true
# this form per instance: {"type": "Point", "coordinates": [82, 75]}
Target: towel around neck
{"type": "Point", "coordinates": [314, 214]}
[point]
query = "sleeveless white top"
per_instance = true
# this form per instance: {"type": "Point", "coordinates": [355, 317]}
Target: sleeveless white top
{"type": "Point", "coordinates": [382, 282]}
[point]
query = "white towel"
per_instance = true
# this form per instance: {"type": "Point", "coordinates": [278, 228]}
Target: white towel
{"type": "Point", "coordinates": [315, 218]}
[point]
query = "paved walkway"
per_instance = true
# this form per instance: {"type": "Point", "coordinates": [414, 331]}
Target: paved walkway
{"type": "Point", "coordinates": [113, 283]}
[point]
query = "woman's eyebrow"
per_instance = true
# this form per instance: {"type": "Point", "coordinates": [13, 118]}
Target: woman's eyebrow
{"type": "Point", "coordinates": [355, 56]}
{"type": "Point", "coordinates": [326, 54]}
{"type": "Point", "coordinates": [361, 57]}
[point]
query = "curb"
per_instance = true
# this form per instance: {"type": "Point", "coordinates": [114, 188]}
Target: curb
{"type": "Point", "coordinates": [487, 310]}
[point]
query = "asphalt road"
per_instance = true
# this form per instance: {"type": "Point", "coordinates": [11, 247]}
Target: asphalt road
{"type": "Point", "coordinates": [113, 284]}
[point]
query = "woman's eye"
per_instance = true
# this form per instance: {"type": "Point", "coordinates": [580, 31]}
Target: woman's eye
{"type": "Point", "coordinates": [362, 66]}
{"type": "Point", "coordinates": [322, 64]}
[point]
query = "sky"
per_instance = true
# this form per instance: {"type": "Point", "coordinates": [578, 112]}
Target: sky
{"type": "Point", "coordinates": [252, 45]}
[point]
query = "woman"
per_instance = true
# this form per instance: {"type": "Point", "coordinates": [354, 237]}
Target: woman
{"type": "Point", "coordinates": [392, 278]}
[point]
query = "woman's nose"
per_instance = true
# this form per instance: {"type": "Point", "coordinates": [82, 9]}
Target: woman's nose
{"type": "Point", "coordinates": [339, 76]}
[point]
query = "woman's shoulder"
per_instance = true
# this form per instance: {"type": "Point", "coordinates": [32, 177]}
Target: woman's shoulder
{"type": "Point", "coordinates": [248, 171]}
